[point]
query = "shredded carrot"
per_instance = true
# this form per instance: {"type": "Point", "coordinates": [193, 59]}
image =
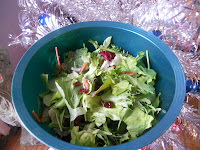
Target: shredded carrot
{"type": "Point", "coordinates": [85, 83]}
{"type": "Point", "coordinates": [36, 117]}
{"type": "Point", "coordinates": [127, 72]}
{"type": "Point", "coordinates": [58, 59]}
{"type": "Point", "coordinates": [83, 67]}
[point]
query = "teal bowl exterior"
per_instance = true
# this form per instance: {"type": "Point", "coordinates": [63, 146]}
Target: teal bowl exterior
{"type": "Point", "coordinates": [40, 58]}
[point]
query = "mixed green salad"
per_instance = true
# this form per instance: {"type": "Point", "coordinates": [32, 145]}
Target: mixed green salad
{"type": "Point", "coordinates": [100, 98]}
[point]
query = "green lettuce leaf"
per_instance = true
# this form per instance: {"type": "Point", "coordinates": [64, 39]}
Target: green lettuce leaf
{"type": "Point", "coordinates": [124, 99]}
{"type": "Point", "coordinates": [91, 102]}
{"type": "Point", "coordinates": [137, 122]}
{"type": "Point", "coordinates": [68, 92]}
{"type": "Point", "coordinates": [156, 102]}
{"type": "Point", "coordinates": [120, 87]}
{"type": "Point", "coordinates": [60, 103]}
{"type": "Point", "coordinates": [115, 113]}
{"type": "Point", "coordinates": [94, 43]}
{"type": "Point", "coordinates": [128, 64]}
{"type": "Point", "coordinates": [107, 42]}
{"type": "Point", "coordinates": [83, 138]}
{"type": "Point", "coordinates": [86, 137]}
{"type": "Point", "coordinates": [96, 117]}
{"type": "Point", "coordinates": [139, 56]}
{"type": "Point", "coordinates": [150, 74]}
{"type": "Point", "coordinates": [44, 78]}
{"type": "Point", "coordinates": [49, 98]}
{"type": "Point", "coordinates": [140, 84]}
{"type": "Point", "coordinates": [74, 113]}
{"type": "Point", "coordinates": [124, 137]}
{"type": "Point", "coordinates": [93, 68]}
{"type": "Point", "coordinates": [106, 84]}
{"type": "Point", "coordinates": [74, 59]}
{"type": "Point", "coordinates": [71, 98]}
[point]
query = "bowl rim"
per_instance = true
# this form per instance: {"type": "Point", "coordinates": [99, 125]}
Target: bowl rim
{"type": "Point", "coordinates": [30, 124]}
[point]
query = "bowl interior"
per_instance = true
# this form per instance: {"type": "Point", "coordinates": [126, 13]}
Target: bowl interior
{"type": "Point", "coordinates": [43, 59]}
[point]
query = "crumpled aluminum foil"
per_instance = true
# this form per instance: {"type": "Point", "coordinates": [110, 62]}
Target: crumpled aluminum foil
{"type": "Point", "coordinates": [178, 21]}
{"type": "Point", "coordinates": [7, 111]}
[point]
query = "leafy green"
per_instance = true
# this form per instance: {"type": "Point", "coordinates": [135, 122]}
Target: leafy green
{"type": "Point", "coordinates": [124, 137]}
{"type": "Point", "coordinates": [87, 136]}
{"type": "Point", "coordinates": [140, 84]}
{"type": "Point", "coordinates": [47, 100]}
{"type": "Point", "coordinates": [156, 102]}
{"type": "Point", "coordinates": [44, 78]}
{"type": "Point", "coordinates": [71, 98]}
{"type": "Point", "coordinates": [94, 43]}
{"type": "Point", "coordinates": [128, 64]}
{"type": "Point", "coordinates": [140, 55]}
{"type": "Point", "coordinates": [93, 67]}
{"type": "Point", "coordinates": [120, 87]}
{"type": "Point", "coordinates": [74, 59]}
{"type": "Point", "coordinates": [107, 42]}
{"type": "Point", "coordinates": [124, 99]}
{"type": "Point", "coordinates": [103, 105]}
{"type": "Point", "coordinates": [107, 84]}
{"type": "Point", "coordinates": [147, 56]}
{"type": "Point", "coordinates": [137, 121]}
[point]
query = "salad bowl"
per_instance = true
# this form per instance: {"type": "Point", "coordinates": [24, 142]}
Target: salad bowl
{"type": "Point", "coordinates": [40, 58]}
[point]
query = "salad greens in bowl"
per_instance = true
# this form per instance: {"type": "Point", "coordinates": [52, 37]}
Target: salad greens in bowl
{"type": "Point", "coordinates": [100, 98]}
{"type": "Point", "coordinates": [97, 85]}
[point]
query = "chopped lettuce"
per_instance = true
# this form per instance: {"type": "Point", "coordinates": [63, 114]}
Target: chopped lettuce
{"type": "Point", "coordinates": [137, 121]}
{"type": "Point", "coordinates": [120, 87]}
{"type": "Point", "coordinates": [115, 103]}
{"type": "Point", "coordinates": [124, 99]}
{"type": "Point", "coordinates": [107, 42]}
{"type": "Point", "coordinates": [87, 136]}
{"type": "Point", "coordinates": [128, 64]}
{"type": "Point", "coordinates": [106, 85]}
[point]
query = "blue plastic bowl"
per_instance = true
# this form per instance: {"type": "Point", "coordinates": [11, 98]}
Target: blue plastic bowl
{"type": "Point", "coordinates": [40, 58]}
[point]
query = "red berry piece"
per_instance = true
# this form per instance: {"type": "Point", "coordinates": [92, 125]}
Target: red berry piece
{"type": "Point", "coordinates": [110, 104]}
{"type": "Point", "coordinates": [107, 104]}
{"type": "Point", "coordinates": [107, 55]}
{"type": "Point", "coordinates": [83, 91]}
{"type": "Point", "coordinates": [78, 120]}
{"type": "Point", "coordinates": [77, 84]}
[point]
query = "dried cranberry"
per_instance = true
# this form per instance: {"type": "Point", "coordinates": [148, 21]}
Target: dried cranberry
{"type": "Point", "coordinates": [107, 104]}
{"type": "Point", "coordinates": [78, 120]}
{"type": "Point", "coordinates": [83, 91]}
{"type": "Point", "coordinates": [107, 55]}
{"type": "Point", "coordinates": [77, 84]}
{"type": "Point", "coordinates": [110, 104]}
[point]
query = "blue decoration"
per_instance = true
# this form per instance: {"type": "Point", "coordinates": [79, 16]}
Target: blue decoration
{"type": "Point", "coordinates": [192, 86]}
{"type": "Point", "coordinates": [196, 87]}
{"type": "Point", "coordinates": [189, 85]}
{"type": "Point", "coordinates": [157, 33]}
{"type": "Point", "coordinates": [42, 18]}
{"type": "Point", "coordinates": [192, 51]}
